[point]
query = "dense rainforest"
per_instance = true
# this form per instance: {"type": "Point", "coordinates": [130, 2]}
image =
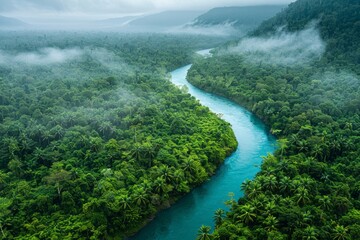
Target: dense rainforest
{"type": "Point", "coordinates": [94, 137]}
{"type": "Point", "coordinates": [299, 72]}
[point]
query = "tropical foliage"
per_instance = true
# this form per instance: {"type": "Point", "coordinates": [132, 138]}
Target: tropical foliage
{"type": "Point", "coordinates": [309, 189]}
{"type": "Point", "coordinates": [93, 146]}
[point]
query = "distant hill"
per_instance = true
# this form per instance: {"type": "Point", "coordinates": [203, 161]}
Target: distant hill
{"type": "Point", "coordinates": [6, 22]}
{"type": "Point", "coordinates": [166, 19]}
{"type": "Point", "coordinates": [337, 20]}
{"type": "Point", "coordinates": [116, 21]}
{"type": "Point", "coordinates": [163, 21]}
{"type": "Point", "coordinates": [240, 17]}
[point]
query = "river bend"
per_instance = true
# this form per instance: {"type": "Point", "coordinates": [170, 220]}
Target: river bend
{"type": "Point", "coordinates": [182, 220]}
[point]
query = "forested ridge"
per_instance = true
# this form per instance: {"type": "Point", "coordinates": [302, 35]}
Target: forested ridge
{"type": "Point", "coordinates": [244, 18]}
{"type": "Point", "coordinates": [94, 137]}
{"type": "Point", "coordinates": [337, 21]}
{"type": "Point", "coordinates": [310, 188]}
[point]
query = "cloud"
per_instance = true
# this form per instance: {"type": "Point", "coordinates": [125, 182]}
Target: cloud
{"type": "Point", "coordinates": [11, 5]}
{"type": "Point", "coordinates": [213, 30]}
{"type": "Point", "coordinates": [121, 6]}
{"type": "Point", "coordinates": [283, 48]}
{"type": "Point", "coordinates": [108, 59]}
{"type": "Point", "coordinates": [54, 62]}
{"type": "Point", "coordinates": [44, 56]}
{"type": "Point", "coordinates": [207, 4]}
{"type": "Point", "coordinates": [91, 6]}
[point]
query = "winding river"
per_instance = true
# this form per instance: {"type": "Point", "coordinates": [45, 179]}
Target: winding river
{"type": "Point", "coordinates": [182, 220]}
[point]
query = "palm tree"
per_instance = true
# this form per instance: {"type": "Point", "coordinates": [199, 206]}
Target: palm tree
{"type": "Point", "coordinates": [12, 145]}
{"type": "Point", "coordinates": [57, 131]}
{"type": "Point", "coordinates": [166, 173]}
{"type": "Point", "coordinates": [310, 233]}
{"type": "Point", "coordinates": [317, 151]}
{"type": "Point", "coordinates": [258, 203]}
{"type": "Point", "coordinates": [294, 139]}
{"type": "Point", "coordinates": [283, 145]}
{"type": "Point", "coordinates": [303, 146]}
{"type": "Point", "coordinates": [188, 165]}
{"type": "Point", "coordinates": [125, 202]}
{"type": "Point", "coordinates": [334, 148]}
{"type": "Point", "coordinates": [179, 182]}
{"type": "Point", "coordinates": [147, 186]}
{"type": "Point", "coordinates": [308, 183]}
{"type": "Point", "coordinates": [285, 185]}
{"type": "Point", "coordinates": [137, 151]}
{"type": "Point", "coordinates": [306, 219]}
{"type": "Point", "coordinates": [160, 185]}
{"type": "Point", "coordinates": [204, 233]}
{"type": "Point", "coordinates": [269, 207]}
{"type": "Point", "coordinates": [271, 223]}
{"type": "Point", "coordinates": [340, 233]}
{"type": "Point", "coordinates": [140, 197]}
{"type": "Point", "coordinates": [178, 176]}
{"type": "Point", "coordinates": [269, 162]}
{"type": "Point", "coordinates": [302, 195]}
{"type": "Point", "coordinates": [270, 182]}
{"type": "Point", "coordinates": [26, 143]}
{"type": "Point", "coordinates": [106, 128]}
{"type": "Point", "coordinates": [245, 186]}
{"type": "Point", "coordinates": [36, 131]}
{"type": "Point", "coordinates": [70, 120]}
{"type": "Point", "coordinates": [219, 217]}
{"type": "Point", "coordinates": [348, 125]}
{"type": "Point", "coordinates": [287, 201]}
{"type": "Point", "coordinates": [255, 189]}
{"type": "Point", "coordinates": [46, 137]}
{"type": "Point", "coordinates": [247, 214]}
{"type": "Point", "coordinates": [149, 150]}
{"type": "Point", "coordinates": [15, 165]}
{"type": "Point", "coordinates": [96, 143]}
{"type": "Point", "coordinates": [325, 177]}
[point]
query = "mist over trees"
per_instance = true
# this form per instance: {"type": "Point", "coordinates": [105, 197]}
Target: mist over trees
{"type": "Point", "coordinates": [95, 140]}
{"type": "Point", "coordinates": [94, 137]}
{"type": "Point", "coordinates": [309, 188]}
{"type": "Point", "coordinates": [282, 48]}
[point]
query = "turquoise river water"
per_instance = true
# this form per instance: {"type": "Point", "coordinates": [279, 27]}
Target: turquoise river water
{"type": "Point", "coordinates": [182, 220]}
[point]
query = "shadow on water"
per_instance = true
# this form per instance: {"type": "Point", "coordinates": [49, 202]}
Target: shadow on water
{"type": "Point", "coordinates": [183, 219]}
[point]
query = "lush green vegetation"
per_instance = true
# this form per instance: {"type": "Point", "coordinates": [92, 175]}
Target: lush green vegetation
{"type": "Point", "coordinates": [94, 138]}
{"type": "Point", "coordinates": [310, 188]}
{"type": "Point", "coordinates": [338, 22]}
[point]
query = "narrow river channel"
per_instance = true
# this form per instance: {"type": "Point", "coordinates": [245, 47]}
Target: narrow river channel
{"type": "Point", "coordinates": [182, 220]}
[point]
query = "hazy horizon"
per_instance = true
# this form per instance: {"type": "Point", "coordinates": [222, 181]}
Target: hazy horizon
{"type": "Point", "coordinates": [34, 11]}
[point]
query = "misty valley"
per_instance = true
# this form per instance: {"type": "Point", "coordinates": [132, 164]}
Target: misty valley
{"type": "Point", "coordinates": [231, 123]}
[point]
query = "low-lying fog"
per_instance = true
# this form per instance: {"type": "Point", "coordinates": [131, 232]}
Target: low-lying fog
{"type": "Point", "coordinates": [118, 15]}
{"type": "Point", "coordinates": [282, 48]}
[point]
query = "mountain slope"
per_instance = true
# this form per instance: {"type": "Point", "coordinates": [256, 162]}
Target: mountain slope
{"type": "Point", "coordinates": [116, 22]}
{"type": "Point", "coordinates": [338, 23]}
{"type": "Point", "coordinates": [165, 19]}
{"type": "Point", "coordinates": [248, 17]}
{"type": "Point", "coordinates": [6, 22]}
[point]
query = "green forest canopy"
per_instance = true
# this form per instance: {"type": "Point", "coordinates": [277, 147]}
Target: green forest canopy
{"type": "Point", "coordinates": [310, 188]}
{"type": "Point", "coordinates": [94, 138]}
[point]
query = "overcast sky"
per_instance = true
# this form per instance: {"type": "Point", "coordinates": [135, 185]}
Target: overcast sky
{"type": "Point", "coordinates": [36, 8]}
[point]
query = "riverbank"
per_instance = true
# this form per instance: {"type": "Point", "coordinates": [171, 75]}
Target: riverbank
{"type": "Point", "coordinates": [182, 220]}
